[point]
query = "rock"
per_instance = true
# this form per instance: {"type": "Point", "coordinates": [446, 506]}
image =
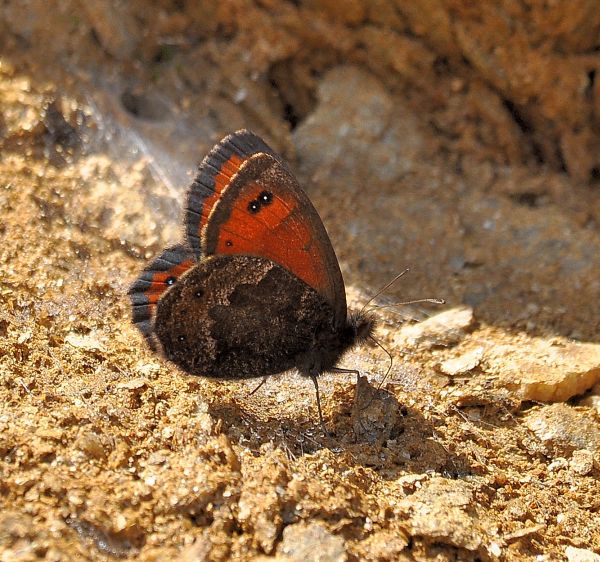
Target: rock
{"type": "Point", "coordinates": [593, 400]}
{"type": "Point", "coordinates": [385, 545]}
{"type": "Point", "coordinates": [463, 363]}
{"type": "Point", "coordinates": [86, 342]}
{"type": "Point", "coordinates": [91, 444]}
{"type": "Point", "coordinates": [582, 462]}
{"type": "Point", "coordinates": [441, 512]}
{"type": "Point", "coordinates": [375, 412]}
{"type": "Point", "coordinates": [115, 27]}
{"type": "Point", "coordinates": [310, 542]}
{"type": "Point", "coordinates": [147, 369]}
{"type": "Point", "coordinates": [24, 337]}
{"type": "Point", "coordinates": [199, 551]}
{"type": "Point", "coordinates": [524, 532]}
{"type": "Point", "coordinates": [545, 371]}
{"type": "Point", "coordinates": [261, 501]}
{"type": "Point", "coordinates": [357, 129]}
{"type": "Point", "coordinates": [446, 328]}
{"type": "Point", "coordinates": [581, 555]}
{"type": "Point", "coordinates": [133, 384]}
{"type": "Point", "coordinates": [563, 429]}
{"type": "Point", "coordinates": [104, 538]}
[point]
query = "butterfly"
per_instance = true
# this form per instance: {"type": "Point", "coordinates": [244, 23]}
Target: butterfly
{"type": "Point", "coordinates": [256, 289]}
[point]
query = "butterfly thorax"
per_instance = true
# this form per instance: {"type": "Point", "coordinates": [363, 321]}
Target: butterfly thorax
{"type": "Point", "coordinates": [330, 344]}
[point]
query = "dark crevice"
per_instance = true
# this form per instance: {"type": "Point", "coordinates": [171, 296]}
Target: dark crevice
{"type": "Point", "coordinates": [143, 106]}
{"type": "Point", "coordinates": [164, 53]}
{"type": "Point", "coordinates": [589, 89]}
{"type": "Point", "coordinates": [595, 175]}
{"type": "Point", "coordinates": [526, 129]}
{"type": "Point", "coordinates": [562, 165]}
{"type": "Point", "coordinates": [297, 100]}
{"type": "Point", "coordinates": [289, 114]}
{"type": "Point", "coordinates": [517, 116]}
{"type": "Point", "coordinates": [527, 199]}
{"type": "Point", "coordinates": [441, 65]}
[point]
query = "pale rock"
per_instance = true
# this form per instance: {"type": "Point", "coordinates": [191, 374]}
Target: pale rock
{"type": "Point", "coordinates": [441, 512]}
{"type": "Point", "coordinates": [147, 369]}
{"type": "Point", "coordinates": [133, 384]}
{"type": "Point", "coordinates": [114, 25]}
{"type": "Point", "coordinates": [581, 555]}
{"type": "Point", "coordinates": [311, 543]}
{"type": "Point", "coordinates": [463, 363]}
{"type": "Point", "coordinates": [24, 337]}
{"type": "Point", "coordinates": [547, 371]}
{"type": "Point", "coordinates": [562, 429]}
{"type": "Point", "coordinates": [582, 462]}
{"type": "Point", "coordinates": [87, 342]}
{"type": "Point", "coordinates": [444, 329]}
{"type": "Point", "coordinates": [357, 130]}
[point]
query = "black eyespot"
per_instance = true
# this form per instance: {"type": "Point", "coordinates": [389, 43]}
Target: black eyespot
{"type": "Point", "coordinates": [181, 339]}
{"type": "Point", "coordinates": [229, 243]}
{"type": "Point", "coordinates": [265, 197]}
{"type": "Point", "coordinates": [170, 280]}
{"type": "Point", "coordinates": [199, 293]}
{"type": "Point", "coordinates": [254, 207]}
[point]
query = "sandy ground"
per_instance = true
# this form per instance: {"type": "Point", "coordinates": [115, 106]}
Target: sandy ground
{"type": "Point", "coordinates": [482, 442]}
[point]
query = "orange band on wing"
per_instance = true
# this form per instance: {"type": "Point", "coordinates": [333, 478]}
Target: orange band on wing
{"type": "Point", "coordinates": [159, 279]}
{"type": "Point", "coordinates": [222, 179]}
{"type": "Point", "coordinates": [274, 233]}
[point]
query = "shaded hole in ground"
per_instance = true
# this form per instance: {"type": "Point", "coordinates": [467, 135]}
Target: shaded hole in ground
{"type": "Point", "coordinates": [527, 199]}
{"type": "Point", "coordinates": [59, 131]}
{"type": "Point", "coordinates": [591, 81]}
{"type": "Point", "coordinates": [525, 127]}
{"type": "Point", "coordinates": [441, 65]}
{"type": "Point", "coordinates": [289, 83]}
{"type": "Point", "coordinates": [143, 105]}
{"type": "Point", "coordinates": [165, 53]}
{"type": "Point", "coordinates": [517, 116]}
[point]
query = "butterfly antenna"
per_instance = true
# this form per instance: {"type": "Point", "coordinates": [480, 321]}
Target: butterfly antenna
{"type": "Point", "coordinates": [384, 288]}
{"type": "Point", "coordinates": [416, 301]}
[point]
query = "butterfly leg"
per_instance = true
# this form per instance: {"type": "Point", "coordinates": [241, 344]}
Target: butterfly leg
{"type": "Point", "coordinates": [356, 406]}
{"type": "Point", "coordinates": [353, 371]}
{"type": "Point", "coordinates": [264, 380]}
{"type": "Point", "coordinates": [314, 379]}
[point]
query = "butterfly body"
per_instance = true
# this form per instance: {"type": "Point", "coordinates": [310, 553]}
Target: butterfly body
{"type": "Point", "coordinates": [256, 288]}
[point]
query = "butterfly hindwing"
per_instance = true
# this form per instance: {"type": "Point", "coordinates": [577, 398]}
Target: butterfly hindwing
{"type": "Point", "coordinates": [156, 278]}
{"type": "Point", "coordinates": [239, 316]}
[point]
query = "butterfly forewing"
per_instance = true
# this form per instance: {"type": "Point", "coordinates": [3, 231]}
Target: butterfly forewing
{"type": "Point", "coordinates": [262, 211]}
{"type": "Point", "coordinates": [214, 175]}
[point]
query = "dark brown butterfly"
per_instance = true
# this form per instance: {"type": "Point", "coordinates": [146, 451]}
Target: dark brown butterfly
{"type": "Point", "coordinates": [257, 289]}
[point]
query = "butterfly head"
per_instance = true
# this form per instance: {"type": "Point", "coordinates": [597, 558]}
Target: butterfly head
{"type": "Point", "coordinates": [360, 326]}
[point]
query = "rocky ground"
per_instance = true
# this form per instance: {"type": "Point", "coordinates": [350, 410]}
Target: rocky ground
{"type": "Point", "coordinates": [460, 142]}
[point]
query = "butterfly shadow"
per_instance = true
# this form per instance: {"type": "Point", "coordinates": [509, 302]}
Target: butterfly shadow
{"type": "Point", "coordinates": [366, 426]}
